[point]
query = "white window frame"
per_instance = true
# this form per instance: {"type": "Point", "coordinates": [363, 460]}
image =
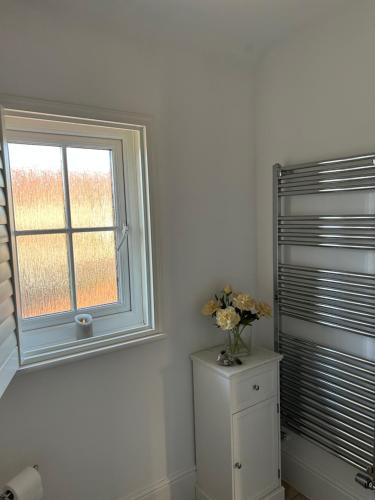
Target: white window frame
{"type": "Point", "coordinates": [117, 329]}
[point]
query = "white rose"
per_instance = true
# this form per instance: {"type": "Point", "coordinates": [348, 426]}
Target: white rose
{"type": "Point", "coordinates": [244, 302]}
{"type": "Point", "coordinates": [210, 308]}
{"type": "Point", "coordinates": [227, 318]}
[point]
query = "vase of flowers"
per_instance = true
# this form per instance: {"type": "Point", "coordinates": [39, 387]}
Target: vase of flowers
{"type": "Point", "coordinates": [233, 312]}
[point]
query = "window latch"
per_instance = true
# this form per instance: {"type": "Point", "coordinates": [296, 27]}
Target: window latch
{"type": "Point", "coordinates": [123, 235]}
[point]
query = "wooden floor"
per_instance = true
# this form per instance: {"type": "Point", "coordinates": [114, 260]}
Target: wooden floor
{"type": "Point", "coordinates": [292, 494]}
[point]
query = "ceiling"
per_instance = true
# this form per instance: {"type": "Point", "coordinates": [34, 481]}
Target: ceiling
{"type": "Point", "coordinates": [238, 28]}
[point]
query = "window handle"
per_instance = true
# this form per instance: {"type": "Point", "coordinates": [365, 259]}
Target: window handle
{"type": "Point", "coordinates": [124, 233]}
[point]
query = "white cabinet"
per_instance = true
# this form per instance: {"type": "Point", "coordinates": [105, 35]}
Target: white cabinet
{"type": "Point", "coordinates": [237, 431]}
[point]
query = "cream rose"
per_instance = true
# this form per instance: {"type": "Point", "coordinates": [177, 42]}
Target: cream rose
{"type": "Point", "coordinates": [244, 302]}
{"type": "Point", "coordinates": [227, 318]}
{"type": "Point", "coordinates": [263, 309]}
{"type": "Point", "coordinates": [227, 289]}
{"type": "Point", "coordinates": [210, 308]}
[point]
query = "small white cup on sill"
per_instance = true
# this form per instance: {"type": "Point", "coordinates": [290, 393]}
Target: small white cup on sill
{"type": "Point", "coordinates": [84, 326]}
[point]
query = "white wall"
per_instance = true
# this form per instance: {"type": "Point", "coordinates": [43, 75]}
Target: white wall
{"type": "Point", "coordinates": [315, 99]}
{"type": "Point", "coordinates": [109, 426]}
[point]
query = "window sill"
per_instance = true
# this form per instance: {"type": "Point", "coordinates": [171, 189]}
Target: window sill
{"type": "Point", "coordinates": [90, 349]}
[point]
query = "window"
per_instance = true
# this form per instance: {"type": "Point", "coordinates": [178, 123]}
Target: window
{"type": "Point", "coordinates": [80, 233]}
{"type": "Point", "coordinates": [65, 222]}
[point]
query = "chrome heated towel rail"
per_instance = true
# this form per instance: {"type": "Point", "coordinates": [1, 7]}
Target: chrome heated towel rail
{"type": "Point", "coordinates": [327, 394]}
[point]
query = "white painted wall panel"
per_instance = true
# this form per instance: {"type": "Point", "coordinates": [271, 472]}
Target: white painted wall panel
{"type": "Point", "coordinates": [315, 100]}
{"type": "Point", "coordinates": [106, 427]}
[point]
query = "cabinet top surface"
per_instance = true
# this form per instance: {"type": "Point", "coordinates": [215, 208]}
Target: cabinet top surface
{"type": "Point", "coordinates": [258, 357]}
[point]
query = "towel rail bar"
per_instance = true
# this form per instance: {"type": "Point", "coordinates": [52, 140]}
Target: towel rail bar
{"type": "Point", "coordinates": [327, 394]}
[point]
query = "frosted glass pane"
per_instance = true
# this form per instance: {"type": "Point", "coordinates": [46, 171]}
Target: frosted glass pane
{"type": "Point", "coordinates": [90, 187]}
{"type": "Point", "coordinates": [95, 268]}
{"type": "Point", "coordinates": [37, 186]}
{"type": "Point", "coordinates": [43, 274]}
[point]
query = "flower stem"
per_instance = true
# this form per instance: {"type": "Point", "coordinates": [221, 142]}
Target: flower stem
{"type": "Point", "coordinates": [235, 341]}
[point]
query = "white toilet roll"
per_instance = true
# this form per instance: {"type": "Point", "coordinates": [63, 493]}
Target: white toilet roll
{"type": "Point", "coordinates": [27, 485]}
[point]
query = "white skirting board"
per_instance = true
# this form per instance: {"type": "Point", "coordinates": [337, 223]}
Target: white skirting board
{"type": "Point", "coordinates": [200, 495]}
{"type": "Point", "coordinates": [178, 486]}
{"type": "Point", "coordinates": [278, 494]}
{"type": "Point", "coordinates": [317, 474]}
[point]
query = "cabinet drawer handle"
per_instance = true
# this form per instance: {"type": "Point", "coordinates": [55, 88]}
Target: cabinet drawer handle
{"type": "Point", "coordinates": [238, 465]}
{"type": "Point", "coordinates": [256, 387]}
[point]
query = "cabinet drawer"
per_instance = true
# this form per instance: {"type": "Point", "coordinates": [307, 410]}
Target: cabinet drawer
{"type": "Point", "coordinates": [261, 384]}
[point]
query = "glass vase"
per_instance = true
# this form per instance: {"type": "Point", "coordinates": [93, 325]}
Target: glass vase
{"type": "Point", "coordinates": [236, 345]}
